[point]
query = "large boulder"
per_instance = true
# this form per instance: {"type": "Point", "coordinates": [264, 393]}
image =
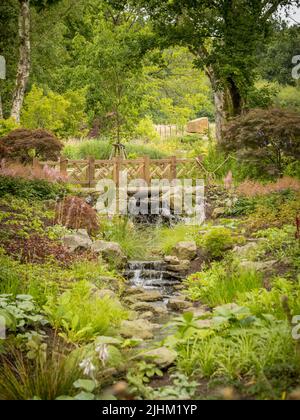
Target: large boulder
{"type": "Point", "coordinates": [140, 328]}
{"type": "Point", "coordinates": [77, 240]}
{"type": "Point", "coordinates": [162, 357]}
{"type": "Point", "coordinates": [110, 251]}
{"type": "Point", "coordinates": [186, 251]}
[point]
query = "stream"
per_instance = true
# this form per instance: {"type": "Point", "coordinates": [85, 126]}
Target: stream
{"type": "Point", "coordinates": [154, 276]}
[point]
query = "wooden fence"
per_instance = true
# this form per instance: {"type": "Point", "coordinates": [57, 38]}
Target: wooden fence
{"type": "Point", "coordinates": [87, 173]}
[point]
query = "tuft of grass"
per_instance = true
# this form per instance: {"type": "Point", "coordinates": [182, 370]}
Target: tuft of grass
{"type": "Point", "coordinates": [101, 149]}
{"type": "Point", "coordinates": [42, 379]}
{"type": "Point", "coordinates": [167, 238]}
{"type": "Point", "coordinates": [223, 283]}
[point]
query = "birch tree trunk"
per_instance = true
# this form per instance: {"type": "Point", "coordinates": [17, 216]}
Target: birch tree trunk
{"type": "Point", "coordinates": [24, 60]}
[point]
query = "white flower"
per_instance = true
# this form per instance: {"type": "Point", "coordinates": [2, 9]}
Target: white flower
{"type": "Point", "coordinates": [102, 351]}
{"type": "Point", "coordinates": [87, 366]}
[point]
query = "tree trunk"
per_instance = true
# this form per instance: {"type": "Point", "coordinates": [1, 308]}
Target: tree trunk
{"type": "Point", "coordinates": [219, 101]}
{"type": "Point", "coordinates": [24, 59]}
{"type": "Point", "coordinates": [235, 100]}
{"type": "Point", "coordinates": [1, 108]}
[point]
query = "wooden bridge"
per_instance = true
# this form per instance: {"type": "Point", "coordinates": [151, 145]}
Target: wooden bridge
{"type": "Point", "coordinates": [87, 173]}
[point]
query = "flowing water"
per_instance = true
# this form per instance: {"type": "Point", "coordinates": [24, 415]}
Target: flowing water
{"type": "Point", "coordinates": [152, 275]}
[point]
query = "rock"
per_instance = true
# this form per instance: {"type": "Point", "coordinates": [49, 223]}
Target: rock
{"type": "Point", "coordinates": [242, 251]}
{"type": "Point", "coordinates": [146, 315]}
{"type": "Point", "coordinates": [135, 291]}
{"type": "Point", "coordinates": [77, 240]}
{"type": "Point", "coordinates": [148, 296]}
{"type": "Point", "coordinates": [172, 260]}
{"type": "Point", "coordinates": [179, 287]}
{"type": "Point", "coordinates": [148, 307]}
{"type": "Point", "coordinates": [110, 251]}
{"type": "Point", "coordinates": [140, 328]}
{"type": "Point", "coordinates": [261, 266]}
{"type": "Point", "coordinates": [186, 250]}
{"type": "Point", "coordinates": [179, 304]}
{"type": "Point", "coordinates": [182, 267]}
{"type": "Point", "coordinates": [105, 293]}
{"type": "Point", "coordinates": [162, 357]}
{"type": "Point", "coordinates": [112, 282]}
{"type": "Point", "coordinates": [218, 212]}
{"type": "Point", "coordinates": [204, 323]}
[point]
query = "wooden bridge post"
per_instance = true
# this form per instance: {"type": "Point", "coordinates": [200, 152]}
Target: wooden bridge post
{"type": "Point", "coordinates": [91, 172]}
{"type": "Point", "coordinates": [36, 164]}
{"type": "Point", "coordinates": [173, 168]}
{"type": "Point", "coordinates": [63, 166]}
{"type": "Point", "coordinates": [147, 175]}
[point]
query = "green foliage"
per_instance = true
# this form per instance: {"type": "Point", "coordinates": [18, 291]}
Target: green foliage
{"type": "Point", "coordinates": [62, 114]}
{"type": "Point", "coordinates": [97, 316]}
{"type": "Point", "coordinates": [6, 126]}
{"type": "Point", "coordinates": [27, 189]}
{"type": "Point", "coordinates": [216, 241]}
{"type": "Point", "coordinates": [266, 354]}
{"type": "Point", "coordinates": [175, 91]}
{"type": "Point", "coordinates": [10, 282]}
{"type": "Point", "coordinates": [222, 283]}
{"type": "Point", "coordinates": [288, 98]}
{"type": "Point", "coordinates": [145, 130]}
{"type": "Point", "coordinates": [20, 312]}
{"type": "Point", "coordinates": [264, 301]}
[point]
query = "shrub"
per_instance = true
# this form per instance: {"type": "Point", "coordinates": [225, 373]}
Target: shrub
{"type": "Point", "coordinates": [75, 213]}
{"type": "Point", "coordinates": [217, 241]}
{"type": "Point", "coordinates": [38, 189]}
{"type": "Point", "coordinates": [275, 210]}
{"type": "Point", "coordinates": [145, 130]}
{"type": "Point", "coordinates": [270, 301]}
{"type": "Point", "coordinates": [222, 283]}
{"type": "Point", "coordinates": [23, 144]}
{"type": "Point", "coordinates": [6, 126]}
{"type": "Point", "coordinates": [268, 138]}
{"type": "Point", "coordinates": [62, 114]}
{"type": "Point", "coordinates": [82, 315]}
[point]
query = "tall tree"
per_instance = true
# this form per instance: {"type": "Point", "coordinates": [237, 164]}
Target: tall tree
{"type": "Point", "coordinates": [23, 68]}
{"type": "Point", "coordinates": [223, 35]}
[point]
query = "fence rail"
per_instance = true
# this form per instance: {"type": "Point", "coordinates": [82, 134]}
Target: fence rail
{"type": "Point", "coordinates": [87, 173]}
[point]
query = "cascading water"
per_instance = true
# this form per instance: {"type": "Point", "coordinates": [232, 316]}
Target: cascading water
{"type": "Point", "coordinates": [152, 275]}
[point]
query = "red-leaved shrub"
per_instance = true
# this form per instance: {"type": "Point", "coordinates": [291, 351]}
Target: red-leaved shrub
{"type": "Point", "coordinates": [75, 213]}
{"type": "Point", "coordinates": [39, 249]}
{"type": "Point", "coordinates": [19, 144]}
